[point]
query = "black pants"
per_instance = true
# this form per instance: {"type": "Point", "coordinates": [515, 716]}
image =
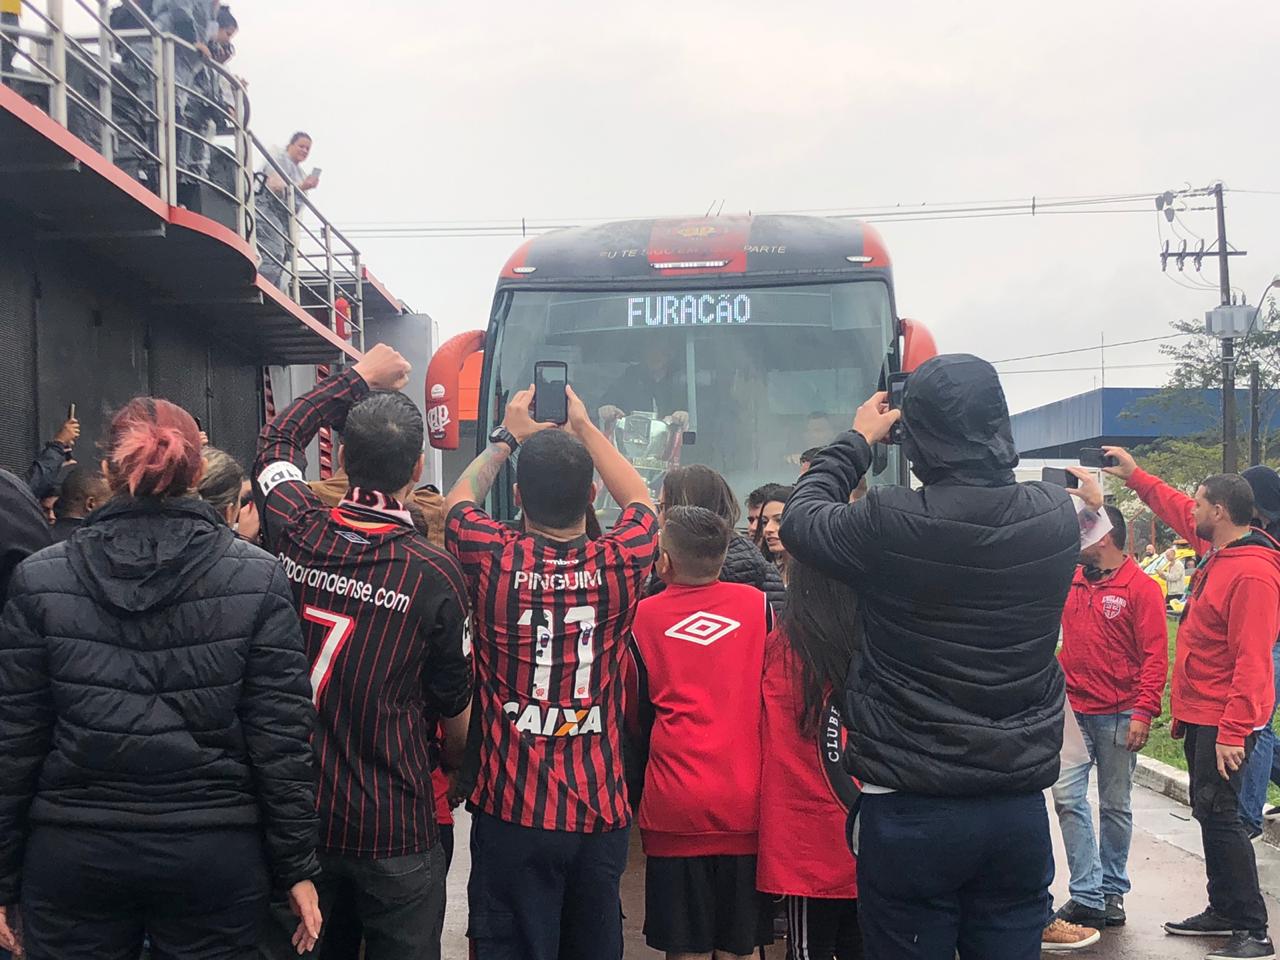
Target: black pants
{"type": "Point", "coordinates": [941, 875]}
{"type": "Point", "coordinates": [544, 894]}
{"type": "Point", "coordinates": [94, 895]}
{"type": "Point", "coordinates": [821, 929]}
{"type": "Point", "coordinates": [399, 902]}
{"type": "Point", "coordinates": [343, 934]}
{"type": "Point", "coordinates": [1229, 860]}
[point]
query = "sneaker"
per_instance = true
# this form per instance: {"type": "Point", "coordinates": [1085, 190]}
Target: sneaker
{"type": "Point", "coordinates": [1076, 913]}
{"type": "Point", "coordinates": [1244, 946]}
{"type": "Point", "coordinates": [1206, 924]}
{"type": "Point", "coordinates": [1060, 936]}
{"type": "Point", "coordinates": [1115, 910]}
{"type": "Point", "coordinates": [1271, 813]}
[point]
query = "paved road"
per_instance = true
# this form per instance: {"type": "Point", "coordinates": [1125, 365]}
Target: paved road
{"type": "Point", "coordinates": [1165, 867]}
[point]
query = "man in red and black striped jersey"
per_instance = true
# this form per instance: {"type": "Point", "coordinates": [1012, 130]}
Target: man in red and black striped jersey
{"type": "Point", "coordinates": [552, 612]}
{"type": "Point", "coordinates": [383, 613]}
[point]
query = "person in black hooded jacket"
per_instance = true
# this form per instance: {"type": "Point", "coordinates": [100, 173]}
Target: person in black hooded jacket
{"type": "Point", "coordinates": [155, 709]}
{"type": "Point", "coordinates": [23, 528]}
{"type": "Point", "coordinates": [700, 486]}
{"type": "Point", "coordinates": [954, 699]}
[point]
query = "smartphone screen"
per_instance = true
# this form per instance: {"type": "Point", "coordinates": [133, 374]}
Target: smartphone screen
{"type": "Point", "coordinates": [550, 402]}
{"type": "Point", "coordinates": [1060, 477]}
{"type": "Point", "coordinates": [1094, 457]}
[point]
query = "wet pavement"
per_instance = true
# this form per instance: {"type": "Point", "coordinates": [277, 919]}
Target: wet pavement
{"type": "Point", "coordinates": [1165, 868]}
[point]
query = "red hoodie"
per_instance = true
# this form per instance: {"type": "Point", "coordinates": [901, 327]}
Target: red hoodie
{"type": "Point", "coordinates": [701, 650]}
{"type": "Point", "coordinates": [1115, 645]}
{"type": "Point", "coordinates": [803, 851]}
{"type": "Point", "coordinates": [1223, 674]}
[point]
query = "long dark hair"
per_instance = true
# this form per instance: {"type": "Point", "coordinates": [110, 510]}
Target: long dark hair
{"type": "Point", "coordinates": [821, 625]}
{"type": "Point", "coordinates": [700, 486]}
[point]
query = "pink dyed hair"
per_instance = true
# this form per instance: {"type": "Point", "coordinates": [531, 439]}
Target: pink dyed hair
{"type": "Point", "coordinates": [153, 450]}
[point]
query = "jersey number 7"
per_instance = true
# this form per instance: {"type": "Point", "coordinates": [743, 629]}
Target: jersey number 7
{"type": "Point", "coordinates": [339, 630]}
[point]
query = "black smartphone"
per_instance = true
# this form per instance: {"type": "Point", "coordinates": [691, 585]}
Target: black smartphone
{"type": "Point", "coordinates": [199, 425]}
{"type": "Point", "coordinates": [71, 411]}
{"type": "Point", "coordinates": [1060, 477]}
{"type": "Point", "coordinates": [897, 388]}
{"type": "Point", "coordinates": [550, 401]}
{"type": "Point", "coordinates": [1094, 458]}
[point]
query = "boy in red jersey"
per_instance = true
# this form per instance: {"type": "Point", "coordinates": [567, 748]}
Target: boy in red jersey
{"type": "Point", "coordinates": [700, 648]}
{"type": "Point", "coordinates": [552, 611]}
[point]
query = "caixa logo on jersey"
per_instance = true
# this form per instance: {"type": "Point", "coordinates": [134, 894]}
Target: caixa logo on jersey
{"type": "Point", "coordinates": [543, 721]}
{"type": "Point", "coordinates": [832, 741]}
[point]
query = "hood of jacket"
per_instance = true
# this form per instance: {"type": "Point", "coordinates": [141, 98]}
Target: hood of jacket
{"type": "Point", "coordinates": [136, 555]}
{"type": "Point", "coordinates": [956, 422]}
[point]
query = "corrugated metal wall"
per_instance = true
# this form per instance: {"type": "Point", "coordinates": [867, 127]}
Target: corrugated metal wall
{"type": "Point", "coordinates": [75, 331]}
{"type": "Point", "coordinates": [17, 355]}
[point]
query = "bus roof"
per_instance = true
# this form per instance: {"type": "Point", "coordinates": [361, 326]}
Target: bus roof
{"type": "Point", "coordinates": [631, 250]}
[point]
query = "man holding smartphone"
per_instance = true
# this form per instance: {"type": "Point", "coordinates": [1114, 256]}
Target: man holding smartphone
{"type": "Point", "coordinates": [1222, 687]}
{"type": "Point", "coordinates": [552, 611]}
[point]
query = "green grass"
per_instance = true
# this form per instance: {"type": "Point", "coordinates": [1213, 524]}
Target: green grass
{"type": "Point", "coordinates": [1160, 746]}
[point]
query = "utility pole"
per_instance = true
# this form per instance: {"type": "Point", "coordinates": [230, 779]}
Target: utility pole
{"type": "Point", "coordinates": [1102, 353]}
{"type": "Point", "coordinates": [1230, 462]}
{"type": "Point", "coordinates": [1255, 415]}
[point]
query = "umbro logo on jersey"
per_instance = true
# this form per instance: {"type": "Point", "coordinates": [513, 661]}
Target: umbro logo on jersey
{"type": "Point", "coordinates": [703, 629]}
{"type": "Point", "coordinates": [353, 537]}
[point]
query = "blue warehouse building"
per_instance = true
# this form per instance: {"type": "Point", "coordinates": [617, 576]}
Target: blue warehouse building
{"type": "Point", "coordinates": [1129, 417]}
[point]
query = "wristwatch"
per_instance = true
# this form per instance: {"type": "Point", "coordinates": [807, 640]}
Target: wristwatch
{"type": "Point", "coordinates": [501, 434]}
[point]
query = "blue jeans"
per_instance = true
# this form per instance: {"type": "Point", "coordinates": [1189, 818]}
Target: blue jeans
{"type": "Point", "coordinates": [1099, 868]}
{"type": "Point", "coordinates": [1263, 766]}
{"type": "Point", "coordinates": [937, 875]}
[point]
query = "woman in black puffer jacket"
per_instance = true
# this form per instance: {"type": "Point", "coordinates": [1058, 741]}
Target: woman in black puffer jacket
{"type": "Point", "coordinates": [699, 486]}
{"type": "Point", "coordinates": [155, 771]}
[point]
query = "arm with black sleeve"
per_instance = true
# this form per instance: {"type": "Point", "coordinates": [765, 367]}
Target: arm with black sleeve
{"type": "Point", "coordinates": [281, 464]}
{"type": "Point", "coordinates": [276, 715]}
{"type": "Point", "coordinates": [819, 526]}
{"type": "Point", "coordinates": [447, 670]}
{"type": "Point", "coordinates": [280, 467]}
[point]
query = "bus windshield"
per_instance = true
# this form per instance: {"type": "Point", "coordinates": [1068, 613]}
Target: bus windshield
{"type": "Point", "coordinates": [743, 380]}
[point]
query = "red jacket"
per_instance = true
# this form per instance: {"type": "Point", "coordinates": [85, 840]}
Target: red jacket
{"type": "Point", "coordinates": [1115, 644]}
{"type": "Point", "coordinates": [1222, 675]}
{"type": "Point", "coordinates": [803, 852]}
{"type": "Point", "coordinates": [701, 654]}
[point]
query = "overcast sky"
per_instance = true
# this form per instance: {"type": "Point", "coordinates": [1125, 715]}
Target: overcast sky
{"type": "Point", "coordinates": [454, 111]}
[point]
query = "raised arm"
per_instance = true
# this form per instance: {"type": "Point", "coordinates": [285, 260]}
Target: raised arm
{"type": "Point", "coordinates": [1172, 506]}
{"type": "Point", "coordinates": [620, 478]}
{"type": "Point", "coordinates": [473, 486]}
{"type": "Point", "coordinates": [281, 464]}
{"type": "Point", "coordinates": [820, 526]}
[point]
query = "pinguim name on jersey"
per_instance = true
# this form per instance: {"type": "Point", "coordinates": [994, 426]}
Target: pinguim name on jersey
{"type": "Point", "coordinates": [553, 721]}
{"type": "Point", "coordinates": [576, 580]}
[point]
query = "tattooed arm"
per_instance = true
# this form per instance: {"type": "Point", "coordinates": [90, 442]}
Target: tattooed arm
{"type": "Point", "coordinates": [473, 486]}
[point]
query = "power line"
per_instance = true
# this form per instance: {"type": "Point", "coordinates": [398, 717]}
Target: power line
{"type": "Point", "coordinates": [883, 213]}
{"type": "Point", "coordinates": [1059, 353]}
{"type": "Point", "coordinates": [1118, 366]}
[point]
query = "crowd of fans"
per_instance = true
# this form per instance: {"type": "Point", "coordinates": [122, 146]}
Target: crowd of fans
{"type": "Point", "coordinates": [236, 709]}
